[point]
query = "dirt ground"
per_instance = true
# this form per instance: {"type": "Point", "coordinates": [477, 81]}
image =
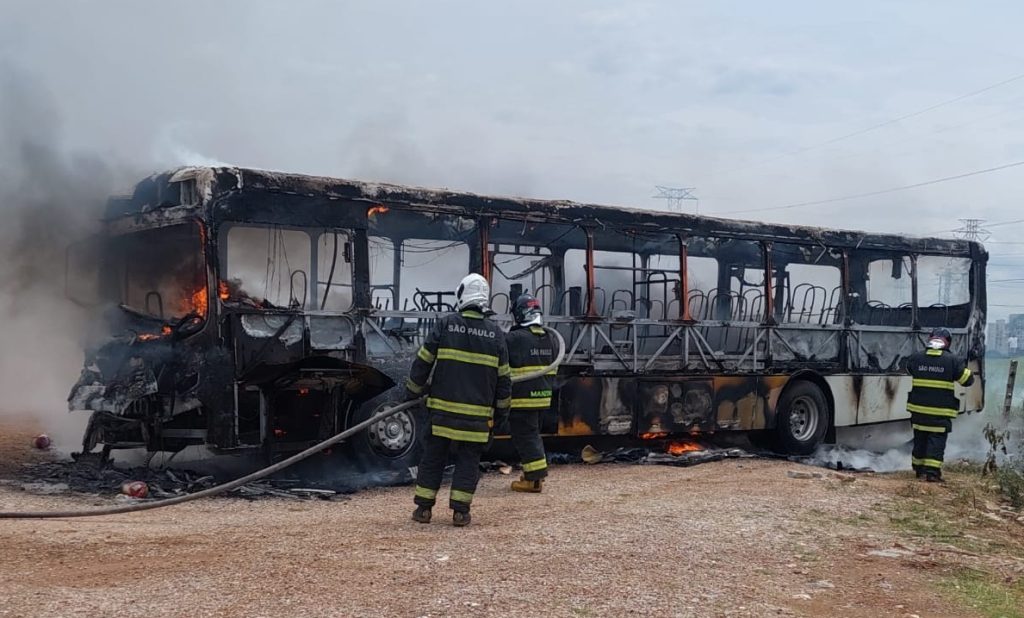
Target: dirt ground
{"type": "Point", "coordinates": [732, 538]}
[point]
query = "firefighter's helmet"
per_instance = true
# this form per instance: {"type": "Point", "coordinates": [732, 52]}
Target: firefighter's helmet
{"type": "Point", "coordinates": [527, 311]}
{"type": "Point", "coordinates": [473, 292]}
{"type": "Point", "coordinates": [939, 339]}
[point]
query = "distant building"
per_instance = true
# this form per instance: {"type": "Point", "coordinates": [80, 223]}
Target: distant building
{"type": "Point", "coordinates": [998, 340]}
{"type": "Point", "coordinates": [1015, 333]}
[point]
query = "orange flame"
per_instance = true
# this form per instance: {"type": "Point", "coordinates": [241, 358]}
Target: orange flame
{"type": "Point", "coordinates": [576, 427]}
{"type": "Point", "coordinates": [222, 291]}
{"type": "Point", "coordinates": [653, 435]}
{"type": "Point", "coordinates": [165, 331]}
{"type": "Point", "coordinates": [379, 209]}
{"type": "Point", "coordinates": [678, 448]}
{"type": "Point", "coordinates": [200, 304]}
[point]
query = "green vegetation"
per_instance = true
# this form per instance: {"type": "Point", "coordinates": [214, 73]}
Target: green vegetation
{"type": "Point", "coordinates": [1005, 436]}
{"type": "Point", "coordinates": [991, 598]}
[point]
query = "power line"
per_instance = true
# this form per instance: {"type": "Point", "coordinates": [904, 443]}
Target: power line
{"type": "Point", "coordinates": [1005, 223]}
{"type": "Point", "coordinates": [881, 192]}
{"type": "Point", "coordinates": [874, 127]}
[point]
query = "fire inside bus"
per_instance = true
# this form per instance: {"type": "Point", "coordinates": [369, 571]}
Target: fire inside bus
{"type": "Point", "coordinates": [260, 310]}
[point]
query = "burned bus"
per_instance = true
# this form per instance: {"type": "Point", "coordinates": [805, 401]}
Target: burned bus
{"type": "Point", "coordinates": [255, 310]}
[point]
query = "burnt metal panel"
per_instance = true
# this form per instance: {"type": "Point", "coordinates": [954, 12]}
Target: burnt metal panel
{"type": "Point", "coordinates": [595, 405]}
{"type": "Point", "coordinates": [238, 192]}
{"type": "Point", "coordinates": [675, 405]}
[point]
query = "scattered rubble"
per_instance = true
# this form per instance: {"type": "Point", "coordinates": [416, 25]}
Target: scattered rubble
{"type": "Point", "coordinates": [42, 442]}
{"type": "Point", "coordinates": [646, 456]}
{"type": "Point", "coordinates": [135, 489]}
{"type": "Point", "coordinates": [142, 483]}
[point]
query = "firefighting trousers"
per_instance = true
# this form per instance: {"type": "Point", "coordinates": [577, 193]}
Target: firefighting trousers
{"type": "Point", "coordinates": [930, 433]}
{"type": "Point", "coordinates": [431, 468]}
{"type": "Point", "coordinates": [524, 425]}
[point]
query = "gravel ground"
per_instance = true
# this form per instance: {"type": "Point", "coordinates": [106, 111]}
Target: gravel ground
{"type": "Point", "coordinates": [726, 538]}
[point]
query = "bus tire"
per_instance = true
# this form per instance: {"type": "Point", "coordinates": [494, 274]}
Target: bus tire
{"type": "Point", "coordinates": [394, 443]}
{"type": "Point", "coordinates": [802, 418]}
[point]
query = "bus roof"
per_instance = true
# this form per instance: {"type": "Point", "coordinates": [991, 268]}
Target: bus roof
{"type": "Point", "coordinates": [197, 187]}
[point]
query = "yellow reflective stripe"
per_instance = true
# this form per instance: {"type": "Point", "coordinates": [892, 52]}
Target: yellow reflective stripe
{"type": "Point", "coordinates": [966, 375]}
{"type": "Point", "coordinates": [476, 315]}
{"type": "Point", "coordinates": [536, 330]}
{"type": "Point", "coordinates": [928, 463]}
{"type": "Point", "coordinates": [412, 386]}
{"type": "Point", "coordinates": [933, 384]}
{"type": "Point", "coordinates": [465, 497]}
{"type": "Point", "coordinates": [533, 466]}
{"type": "Point", "coordinates": [521, 371]}
{"type": "Point", "coordinates": [531, 402]}
{"type": "Point", "coordinates": [930, 428]}
{"type": "Point", "coordinates": [425, 492]}
{"type": "Point", "coordinates": [503, 403]}
{"type": "Point", "coordinates": [467, 357]}
{"type": "Point", "coordinates": [934, 352]}
{"type": "Point", "coordinates": [459, 408]}
{"type": "Point", "coordinates": [425, 355]}
{"type": "Point", "coordinates": [459, 434]}
{"type": "Point", "coordinates": [504, 370]}
{"type": "Point", "coordinates": [913, 407]}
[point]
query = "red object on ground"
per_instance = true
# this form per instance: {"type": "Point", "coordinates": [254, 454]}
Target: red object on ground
{"type": "Point", "coordinates": [135, 489]}
{"type": "Point", "coordinates": [41, 442]}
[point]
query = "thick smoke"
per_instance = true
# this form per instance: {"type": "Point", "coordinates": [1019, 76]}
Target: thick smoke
{"type": "Point", "coordinates": [50, 197]}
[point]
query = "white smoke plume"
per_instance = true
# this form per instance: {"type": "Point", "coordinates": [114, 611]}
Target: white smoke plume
{"type": "Point", "coordinates": [50, 197]}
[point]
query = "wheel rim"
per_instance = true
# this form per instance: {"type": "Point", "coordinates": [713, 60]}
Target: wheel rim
{"type": "Point", "coordinates": [803, 418]}
{"type": "Point", "coordinates": [393, 436]}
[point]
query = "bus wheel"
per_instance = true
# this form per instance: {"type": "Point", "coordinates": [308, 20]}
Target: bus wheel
{"type": "Point", "coordinates": [393, 443]}
{"type": "Point", "coordinates": [802, 419]}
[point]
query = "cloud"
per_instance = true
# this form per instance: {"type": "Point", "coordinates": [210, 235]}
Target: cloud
{"type": "Point", "coordinates": [739, 81]}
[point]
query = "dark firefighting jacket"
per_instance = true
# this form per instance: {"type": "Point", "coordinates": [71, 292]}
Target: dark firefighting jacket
{"type": "Point", "coordinates": [530, 349]}
{"type": "Point", "coordinates": [935, 374]}
{"type": "Point", "coordinates": [467, 354]}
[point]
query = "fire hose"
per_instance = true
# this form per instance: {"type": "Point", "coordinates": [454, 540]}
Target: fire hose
{"type": "Point", "coordinates": [281, 465]}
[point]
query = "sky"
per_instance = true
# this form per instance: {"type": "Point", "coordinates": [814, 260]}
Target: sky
{"type": "Point", "coordinates": [756, 105]}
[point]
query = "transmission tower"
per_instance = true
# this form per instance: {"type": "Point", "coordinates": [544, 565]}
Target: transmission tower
{"type": "Point", "coordinates": [675, 196]}
{"type": "Point", "coordinates": [972, 229]}
{"type": "Point", "coordinates": [951, 278]}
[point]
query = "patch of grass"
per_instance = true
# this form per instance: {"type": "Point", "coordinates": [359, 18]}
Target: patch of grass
{"type": "Point", "coordinates": [1011, 484]}
{"type": "Point", "coordinates": [860, 519]}
{"type": "Point", "coordinates": [984, 593]}
{"type": "Point", "coordinates": [931, 522]}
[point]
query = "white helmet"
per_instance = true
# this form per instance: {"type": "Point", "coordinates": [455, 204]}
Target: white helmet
{"type": "Point", "coordinates": [473, 292]}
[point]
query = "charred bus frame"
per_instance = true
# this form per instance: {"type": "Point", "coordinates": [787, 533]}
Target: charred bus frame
{"type": "Point", "coordinates": [785, 331]}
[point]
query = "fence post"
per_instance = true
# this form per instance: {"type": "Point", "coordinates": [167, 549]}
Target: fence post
{"type": "Point", "coordinates": [1010, 379]}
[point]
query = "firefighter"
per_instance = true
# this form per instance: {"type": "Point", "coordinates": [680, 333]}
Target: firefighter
{"type": "Point", "coordinates": [471, 384]}
{"type": "Point", "coordinates": [530, 349]}
{"type": "Point", "coordinates": [932, 402]}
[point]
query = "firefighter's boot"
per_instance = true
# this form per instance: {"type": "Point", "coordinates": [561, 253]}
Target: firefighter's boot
{"type": "Point", "coordinates": [523, 485]}
{"type": "Point", "coordinates": [460, 518]}
{"type": "Point", "coordinates": [421, 514]}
